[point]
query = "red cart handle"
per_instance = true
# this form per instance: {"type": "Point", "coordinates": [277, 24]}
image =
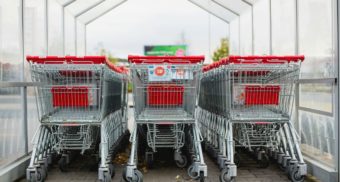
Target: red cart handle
{"type": "Point", "coordinates": [165, 59]}
{"type": "Point", "coordinates": [118, 69]}
{"type": "Point", "coordinates": [66, 59]}
{"type": "Point", "coordinates": [263, 59]}
{"type": "Point", "coordinates": [74, 60]}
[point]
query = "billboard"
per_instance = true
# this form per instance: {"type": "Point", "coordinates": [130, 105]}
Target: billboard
{"type": "Point", "coordinates": [160, 50]}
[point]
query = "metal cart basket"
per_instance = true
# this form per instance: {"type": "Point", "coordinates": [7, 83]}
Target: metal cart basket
{"type": "Point", "coordinates": [81, 105]}
{"type": "Point", "coordinates": [165, 89]}
{"type": "Point", "coordinates": [247, 101]}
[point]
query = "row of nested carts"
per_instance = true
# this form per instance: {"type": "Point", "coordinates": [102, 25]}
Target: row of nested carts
{"type": "Point", "coordinates": [237, 103]}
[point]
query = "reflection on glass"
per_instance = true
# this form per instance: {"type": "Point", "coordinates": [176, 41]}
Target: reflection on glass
{"type": "Point", "coordinates": [317, 96]}
{"type": "Point", "coordinates": [283, 27]}
{"type": "Point", "coordinates": [261, 27]}
{"type": "Point", "coordinates": [11, 130]}
{"type": "Point", "coordinates": [316, 38]}
{"type": "Point", "coordinates": [318, 137]}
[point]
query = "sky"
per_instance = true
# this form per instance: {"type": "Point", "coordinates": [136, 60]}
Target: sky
{"type": "Point", "coordinates": [136, 23]}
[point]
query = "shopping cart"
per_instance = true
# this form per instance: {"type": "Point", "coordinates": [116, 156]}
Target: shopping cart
{"type": "Point", "coordinates": [81, 105]}
{"type": "Point", "coordinates": [165, 91]}
{"type": "Point", "coordinates": [247, 102]}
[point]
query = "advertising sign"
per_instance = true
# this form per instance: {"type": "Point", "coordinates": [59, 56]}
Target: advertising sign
{"type": "Point", "coordinates": [161, 50]}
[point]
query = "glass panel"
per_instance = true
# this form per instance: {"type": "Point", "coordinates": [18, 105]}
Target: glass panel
{"type": "Point", "coordinates": [79, 6]}
{"type": "Point", "coordinates": [69, 34]}
{"type": "Point", "coordinates": [109, 4]}
{"type": "Point", "coordinates": [261, 27]}
{"type": "Point", "coordinates": [318, 137]}
{"type": "Point", "coordinates": [11, 130]}
{"type": "Point", "coordinates": [246, 33]}
{"type": "Point", "coordinates": [317, 96]}
{"type": "Point", "coordinates": [235, 5]}
{"type": "Point", "coordinates": [34, 45]}
{"type": "Point", "coordinates": [10, 61]}
{"type": "Point", "coordinates": [316, 38]}
{"type": "Point", "coordinates": [159, 25]}
{"type": "Point", "coordinates": [235, 37]}
{"type": "Point", "coordinates": [283, 41]}
{"type": "Point", "coordinates": [81, 36]}
{"type": "Point", "coordinates": [55, 28]}
{"type": "Point", "coordinates": [219, 30]}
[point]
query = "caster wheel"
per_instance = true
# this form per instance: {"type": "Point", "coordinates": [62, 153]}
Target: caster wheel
{"type": "Point", "coordinates": [137, 178]}
{"type": "Point", "coordinates": [32, 177]}
{"type": "Point", "coordinates": [62, 163]}
{"type": "Point", "coordinates": [264, 162]}
{"type": "Point", "coordinates": [193, 174]}
{"type": "Point", "coordinates": [40, 175]}
{"type": "Point", "coordinates": [107, 177]}
{"type": "Point", "coordinates": [112, 170]}
{"type": "Point", "coordinates": [237, 159]}
{"type": "Point", "coordinates": [202, 178]}
{"type": "Point", "coordinates": [182, 163]}
{"type": "Point", "coordinates": [295, 175]}
{"type": "Point", "coordinates": [149, 163]}
{"type": "Point", "coordinates": [282, 167]}
{"type": "Point", "coordinates": [124, 174]}
{"type": "Point", "coordinates": [225, 176]}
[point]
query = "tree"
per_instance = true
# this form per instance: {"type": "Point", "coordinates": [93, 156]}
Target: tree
{"type": "Point", "coordinates": [222, 51]}
{"type": "Point", "coordinates": [109, 56]}
{"type": "Point", "coordinates": [100, 49]}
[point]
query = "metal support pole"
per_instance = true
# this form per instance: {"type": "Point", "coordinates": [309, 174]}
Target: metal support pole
{"type": "Point", "coordinates": [270, 28]}
{"type": "Point", "coordinates": [337, 75]}
{"type": "Point", "coordinates": [85, 46]}
{"type": "Point", "coordinates": [63, 6]}
{"type": "Point", "coordinates": [252, 26]}
{"type": "Point", "coordinates": [46, 27]}
{"type": "Point", "coordinates": [63, 28]}
{"type": "Point", "coordinates": [252, 31]}
{"type": "Point", "coordinates": [23, 89]}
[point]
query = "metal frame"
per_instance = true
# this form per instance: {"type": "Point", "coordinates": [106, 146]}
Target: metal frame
{"type": "Point", "coordinates": [336, 13]}
{"type": "Point", "coordinates": [238, 18]}
{"type": "Point", "coordinates": [252, 25]}
{"type": "Point", "coordinates": [63, 6]}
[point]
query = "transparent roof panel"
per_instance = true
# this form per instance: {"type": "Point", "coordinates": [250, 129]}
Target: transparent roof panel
{"type": "Point", "coordinates": [99, 10]}
{"type": "Point", "coordinates": [250, 1]}
{"type": "Point", "coordinates": [236, 6]}
{"type": "Point", "coordinates": [65, 2]}
{"type": "Point", "coordinates": [80, 6]}
{"type": "Point", "coordinates": [215, 9]}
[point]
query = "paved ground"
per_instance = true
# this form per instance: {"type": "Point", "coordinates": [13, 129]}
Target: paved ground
{"type": "Point", "coordinates": [84, 169]}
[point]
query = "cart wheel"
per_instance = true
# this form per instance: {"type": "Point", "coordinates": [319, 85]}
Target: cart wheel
{"type": "Point", "coordinates": [282, 167]}
{"type": "Point", "coordinates": [107, 177]}
{"type": "Point", "coordinates": [112, 170]}
{"type": "Point", "coordinates": [237, 159]}
{"type": "Point", "coordinates": [193, 174]}
{"type": "Point", "coordinates": [182, 163]}
{"type": "Point", "coordinates": [225, 176]}
{"type": "Point", "coordinates": [295, 175]}
{"type": "Point", "coordinates": [63, 164]}
{"type": "Point", "coordinates": [264, 162]}
{"type": "Point", "coordinates": [149, 163]}
{"type": "Point", "coordinates": [39, 175]}
{"type": "Point", "coordinates": [202, 178]}
{"type": "Point", "coordinates": [289, 170]}
{"type": "Point", "coordinates": [124, 174]}
{"type": "Point", "coordinates": [139, 176]}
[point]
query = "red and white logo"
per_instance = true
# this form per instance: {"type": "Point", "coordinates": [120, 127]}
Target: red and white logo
{"type": "Point", "coordinates": [159, 71]}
